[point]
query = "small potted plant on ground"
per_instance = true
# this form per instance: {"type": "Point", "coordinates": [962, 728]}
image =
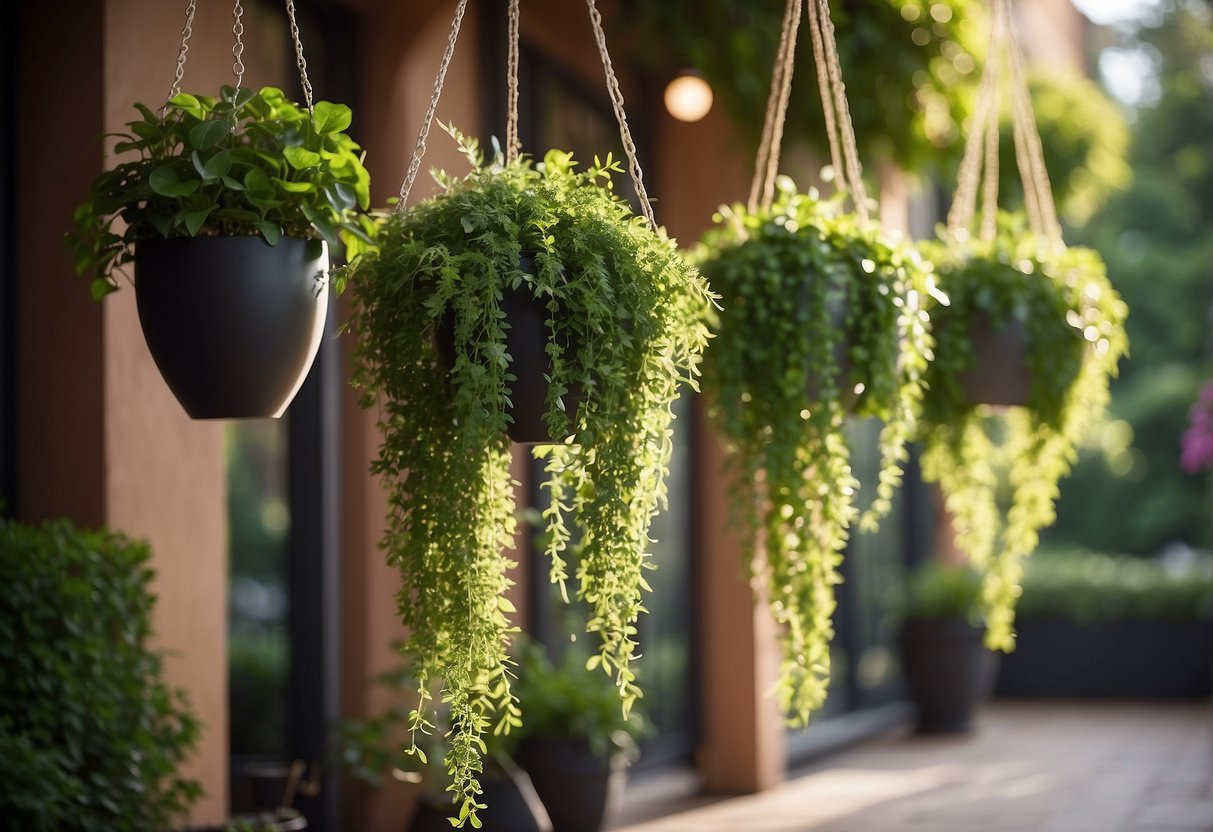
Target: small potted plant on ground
{"type": "Point", "coordinates": [1047, 319]}
{"type": "Point", "coordinates": [620, 317]}
{"type": "Point", "coordinates": [574, 742]}
{"type": "Point", "coordinates": [946, 666]}
{"type": "Point", "coordinates": [91, 735]}
{"type": "Point", "coordinates": [820, 321]}
{"type": "Point", "coordinates": [225, 212]}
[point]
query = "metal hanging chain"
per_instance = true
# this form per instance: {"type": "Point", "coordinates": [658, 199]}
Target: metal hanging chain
{"type": "Point", "coordinates": [186, 31]}
{"type": "Point", "coordinates": [439, 80]}
{"type": "Point", "coordinates": [766, 164]}
{"type": "Point", "coordinates": [513, 145]}
{"type": "Point", "coordinates": [838, 122]}
{"type": "Point", "coordinates": [629, 146]}
{"type": "Point", "coordinates": [300, 62]}
{"type": "Point", "coordinates": [238, 47]}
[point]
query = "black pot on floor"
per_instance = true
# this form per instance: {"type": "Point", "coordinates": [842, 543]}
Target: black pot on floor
{"type": "Point", "coordinates": [948, 669]}
{"type": "Point", "coordinates": [581, 791]}
{"type": "Point", "coordinates": [233, 323]}
{"type": "Point", "coordinates": [511, 806]}
{"type": "Point", "coordinates": [526, 340]}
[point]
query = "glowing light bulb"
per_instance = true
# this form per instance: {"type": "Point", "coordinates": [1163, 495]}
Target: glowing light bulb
{"type": "Point", "coordinates": [688, 97]}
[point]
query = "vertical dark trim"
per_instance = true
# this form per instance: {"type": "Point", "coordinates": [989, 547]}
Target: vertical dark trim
{"type": "Point", "coordinates": [314, 545]}
{"type": "Point", "coordinates": [314, 579]}
{"type": "Point", "coordinates": [9, 445]}
{"type": "Point", "coordinates": [494, 36]}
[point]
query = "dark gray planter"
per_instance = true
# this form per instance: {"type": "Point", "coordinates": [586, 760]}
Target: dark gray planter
{"type": "Point", "coordinates": [582, 792]}
{"type": "Point", "coordinates": [526, 339]}
{"type": "Point", "coordinates": [512, 806]}
{"type": "Point", "coordinates": [948, 669]}
{"type": "Point", "coordinates": [1125, 658]}
{"type": "Point", "coordinates": [999, 373]}
{"type": "Point", "coordinates": [233, 323]}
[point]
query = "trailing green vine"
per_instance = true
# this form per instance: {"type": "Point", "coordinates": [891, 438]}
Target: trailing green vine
{"type": "Point", "coordinates": [999, 470]}
{"type": "Point", "coordinates": [821, 319]}
{"type": "Point", "coordinates": [627, 322]}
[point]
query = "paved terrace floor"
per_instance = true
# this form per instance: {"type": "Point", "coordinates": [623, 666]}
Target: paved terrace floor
{"type": "Point", "coordinates": [1029, 767]}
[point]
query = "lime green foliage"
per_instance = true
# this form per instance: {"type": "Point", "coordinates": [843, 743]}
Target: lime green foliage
{"type": "Point", "coordinates": [806, 288]}
{"type": "Point", "coordinates": [1087, 586]}
{"type": "Point", "coordinates": [637, 313]}
{"type": "Point", "coordinates": [1085, 139]}
{"type": "Point", "coordinates": [246, 163]}
{"type": "Point", "coordinates": [90, 734]}
{"type": "Point", "coordinates": [1074, 323]}
{"type": "Point", "coordinates": [565, 701]}
{"type": "Point", "coordinates": [939, 590]}
{"type": "Point", "coordinates": [909, 67]}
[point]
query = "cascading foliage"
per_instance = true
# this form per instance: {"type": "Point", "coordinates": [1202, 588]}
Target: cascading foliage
{"type": "Point", "coordinates": [999, 470]}
{"type": "Point", "coordinates": [627, 324]}
{"type": "Point", "coordinates": [821, 318]}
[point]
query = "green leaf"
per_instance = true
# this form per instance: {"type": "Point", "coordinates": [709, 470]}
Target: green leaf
{"type": "Point", "coordinates": [234, 184]}
{"type": "Point", "coordinates": [300, 158]}
{"type": "Point", "coordinates": [294, 187]}
{"type": "Point", "coordinates": [166, 181]}
{"type": "Point", "coordinates": [331, 118]}
{"type": "Point", "coordinates": [209, 133]}
{"type": "Point", "coordinates": [194, 220]}
{"type": "Point", "coordinates": [272, 232]}
{"type": "Point", "coordinates": [188, 103]}
{"type": "Point", "coordinates": [258, 183]}
{"type": "Point", "coordinates": [218, 165]}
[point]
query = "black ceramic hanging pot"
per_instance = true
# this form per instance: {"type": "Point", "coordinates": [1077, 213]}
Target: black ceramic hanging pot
{"type": "Point", "coordinates": [998, 374]}
{"type": "Point", "coordinates": [526, 339]}
{"type": "Point", "coordinates": [233, 323]}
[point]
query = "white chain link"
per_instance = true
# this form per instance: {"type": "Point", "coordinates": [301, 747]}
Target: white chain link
{"type": "Point", "coordinates": [186, 31]}
{"type": "Point", "coordinates": [238, 47]}
{"type": "Point", "coordinates": [299, 59]}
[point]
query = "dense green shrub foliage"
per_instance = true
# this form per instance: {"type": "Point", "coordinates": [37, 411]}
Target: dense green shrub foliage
{"type": "Point", "coordinates": [90, 733]}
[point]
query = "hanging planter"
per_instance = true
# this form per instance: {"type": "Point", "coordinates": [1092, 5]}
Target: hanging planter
{"type": "Point", "coordinates": [621, 318]}
{"type": "Point", "coordinates": [227, 208]}
{"type": "Point", "coordinates": [821, 321]}
{"type": "Point", "coordinates": [1017, 431]}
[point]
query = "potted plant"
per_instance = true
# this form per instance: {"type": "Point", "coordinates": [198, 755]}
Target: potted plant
{"type": "Point", "coordinates": [820, 321]}
{"type": "Point", "coordinates": [623, 321]}
{"type": "Point", "coordinates": [384, 743]}
{"type": "Point", "coordinates": [945, 663]}
{"type": "Point", "coordinates": [91, 735]}
{"type": "Point", "coordinates": [999, 469]}
{"type": "Point", "coordinates": [574, 742]}
{"type": "Point", "coordinates": [226, 212]}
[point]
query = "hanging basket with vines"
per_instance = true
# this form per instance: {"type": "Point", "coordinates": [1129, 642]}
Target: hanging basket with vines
{"type": "Point", "coordinates": [821, 320]}
{"type": "Point", "coordinates": [622, 321]}
{"type": "Point", "coordinates": [1019, 302]}
{"type": "Point", "coordinates": [225, 205]}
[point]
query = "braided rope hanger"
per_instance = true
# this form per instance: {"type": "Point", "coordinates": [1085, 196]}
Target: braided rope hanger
{"type": "Point", "coordinates": [512, 148]}
{"type": "Point", "coordinates": [840, 132]}
{"type": "Point", "coordinates": [981, 145]}
{"type": "Point", "coordinates": [187, 31]}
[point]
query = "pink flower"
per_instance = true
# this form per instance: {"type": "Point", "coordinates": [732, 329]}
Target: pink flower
{"type": "Point", "coordinates": [1198, 438]}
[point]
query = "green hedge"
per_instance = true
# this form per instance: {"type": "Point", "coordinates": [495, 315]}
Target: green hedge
{"type": "Point", "coordinates": [1086, 587]}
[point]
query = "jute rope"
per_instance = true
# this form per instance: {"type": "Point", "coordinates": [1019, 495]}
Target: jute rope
{"type": "Point", "coordinates": [1029, 155]}
{"type": "Point", "coordinates": [625, 134]}
{"type": "Point", "coordinates": [238, 47]}
{"type": "Point", "coordinates": [427, 120]}
{"type": "Point", "coordinates": [513, 145]}
{"type": "Point", "coordinates": [300, 62]}
{"type": "Point", "coordinates": [1037, 177]}
{"type": "Point", "coordinates": [852, 174]}
{"type": "Point", "coordinates": [766, 165]}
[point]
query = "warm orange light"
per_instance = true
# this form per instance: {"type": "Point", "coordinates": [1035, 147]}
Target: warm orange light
{"type": "Point", "coordinates": [688, 97]}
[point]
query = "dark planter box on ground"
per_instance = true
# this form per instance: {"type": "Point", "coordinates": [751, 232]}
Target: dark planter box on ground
{"type": "Point", "coordinates": [1143, 659]}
